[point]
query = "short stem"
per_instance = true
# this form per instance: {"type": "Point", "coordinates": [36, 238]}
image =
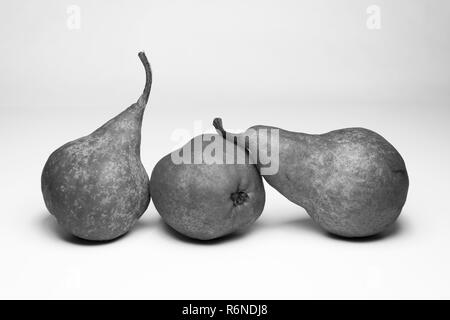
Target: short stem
{"type": "Point", "coordinates": [217, 123]}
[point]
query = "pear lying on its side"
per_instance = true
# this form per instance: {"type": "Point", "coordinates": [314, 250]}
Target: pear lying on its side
{"type": "Point", "coordinates": [96, 186]}
{"type": "Point", "coordinates": [205, 199]}
{"type": "Point", "coordinates": [352, 181]}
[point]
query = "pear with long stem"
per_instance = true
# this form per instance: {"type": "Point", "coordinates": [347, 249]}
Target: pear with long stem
{"type": "Point", "coordinates": [96, 186]}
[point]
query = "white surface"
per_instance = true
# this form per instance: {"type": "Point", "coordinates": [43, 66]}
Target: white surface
{"type": "Point", "coordinates": [314, 63]}
{"type": "Point", "coordinates": [282, 256]}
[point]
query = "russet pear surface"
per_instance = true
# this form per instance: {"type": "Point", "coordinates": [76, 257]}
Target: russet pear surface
{"type": "Point", "coordinates": [96, 186]}
{"type": "Point", "coordinates": [207, 200]}
{"type": "Point", "coordinates": [352, 181]}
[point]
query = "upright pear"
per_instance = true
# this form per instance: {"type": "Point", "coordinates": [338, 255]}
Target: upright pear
{"type": "Point", "coordinates": [352, 181]}
{"type": "Point", "coordinates": [96, 186]}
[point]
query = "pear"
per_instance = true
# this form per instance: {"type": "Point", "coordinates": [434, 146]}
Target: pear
{"type": "Point", "coordinates": [352, 181]}
{"type": "Point", "coordinates": [203, 196]}
{"type": "Point", "coordinates": [96, 186]}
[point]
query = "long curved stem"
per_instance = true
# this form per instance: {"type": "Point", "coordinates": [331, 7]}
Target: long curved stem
{"type": "Point", "coordinates": [148, 79]}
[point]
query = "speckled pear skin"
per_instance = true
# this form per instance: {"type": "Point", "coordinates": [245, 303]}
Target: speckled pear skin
{"type": "Point", "coordinates": [96, 186]}
{"type": "Point", "coordinates": [207, 201]}
{"type": "Point", "coordinates": [352, 181]}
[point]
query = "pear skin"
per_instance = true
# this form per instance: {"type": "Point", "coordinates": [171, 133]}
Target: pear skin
{"type": "Point", "coordinates": [352, 181]}
{"type": "Point", "coordinates": [205, 200]}
{"type": "Point", "coordinates": [96, 186]}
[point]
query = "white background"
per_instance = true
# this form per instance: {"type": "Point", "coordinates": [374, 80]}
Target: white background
{"type": "Point", "coordinates": [310, 66]}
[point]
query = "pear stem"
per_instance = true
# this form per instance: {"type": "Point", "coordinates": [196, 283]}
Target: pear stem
{"type": "Point", "coordinates": [232, 137]}
{"type": "Point", "coordinates": [148, 79]}
{"type": "Point", "coordinates": [217, 123]}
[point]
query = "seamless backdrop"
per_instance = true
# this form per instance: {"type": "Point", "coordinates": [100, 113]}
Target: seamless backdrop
{"type": "Point", "coordinates": [66, 67]}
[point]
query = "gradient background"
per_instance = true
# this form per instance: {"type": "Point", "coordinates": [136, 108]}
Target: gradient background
{"type": "Point", "coordinates": [310, 66]}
